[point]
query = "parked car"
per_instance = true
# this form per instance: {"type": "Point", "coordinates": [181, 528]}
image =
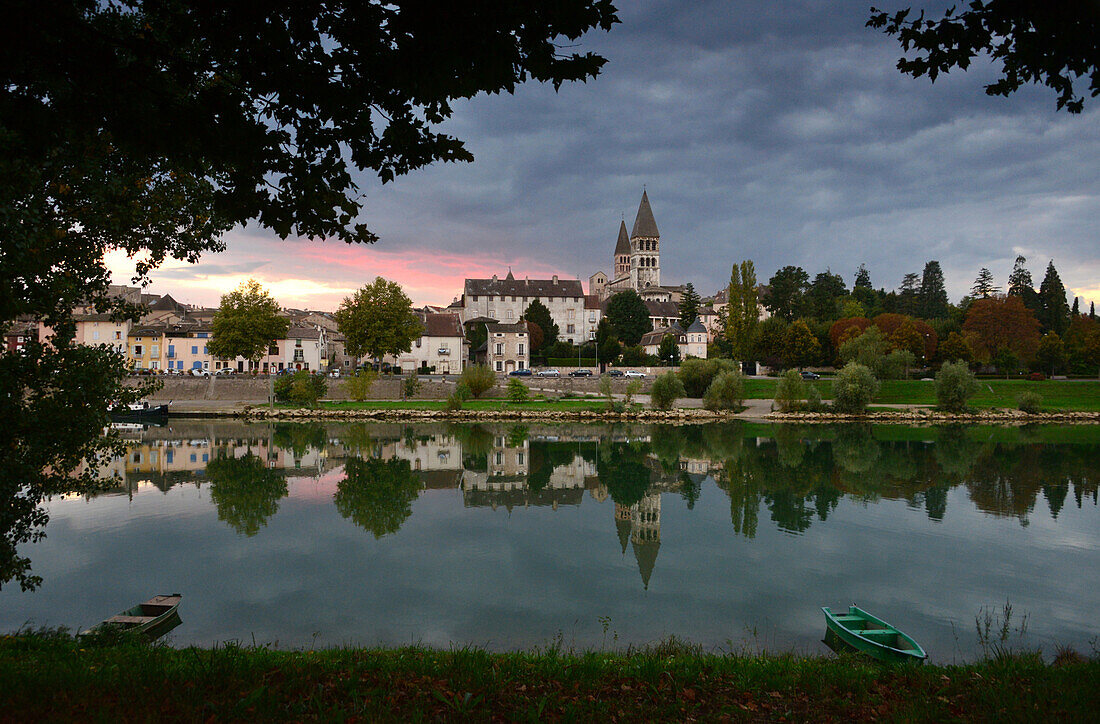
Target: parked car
{"type": "Point", "coordinates": [614, 373]}
{"type": "Point", "coordinates": [548, 373]}
{"type": "Point", "coordinates": [225, 372]}
{"type": "Point", "coordinates": [198, 373]}
{"type": "Point", "coordinates": [807, 375]}
{"type": "Point", "coordinates": [520, 373]}
{"type": "Point", "coordinates": [581, 373]}
{"type": "Point", "coordinates": [633, 373]}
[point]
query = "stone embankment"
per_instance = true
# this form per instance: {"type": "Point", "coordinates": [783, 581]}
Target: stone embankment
{"type": "Point", "coordinates": [679, 416]}
{"type": "Point", "coordinates": [936, 417]}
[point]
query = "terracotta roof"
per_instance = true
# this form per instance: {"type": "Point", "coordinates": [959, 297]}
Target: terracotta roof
{"type": "Point", "coordinates": [645, 225]}
{"type": "Point", "coordinates": [622, 246]}
{"type": "Point", "coordinates": [591, 301]}
{"type": "Point", "coordinates": [510, 286]}
{"type": "Point", "coordinates": [442, 325]}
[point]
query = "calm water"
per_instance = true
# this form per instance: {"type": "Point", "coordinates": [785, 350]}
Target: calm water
{"type": "Point", "coordinates": [510, 536]}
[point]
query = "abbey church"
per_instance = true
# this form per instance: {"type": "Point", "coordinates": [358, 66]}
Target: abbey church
{"type": "Point", "coordinates": [636, 262]}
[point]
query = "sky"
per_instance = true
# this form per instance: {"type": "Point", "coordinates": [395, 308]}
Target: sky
{"type": "Point", "coordinates": [778, 132]}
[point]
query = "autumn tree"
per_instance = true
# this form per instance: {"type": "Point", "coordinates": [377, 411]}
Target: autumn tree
{"type": "Point", "coordinates": [742, 314]}
{"type": "Point", "coordinates": [629, 317]}
{"type": "Point", "coordinates": [1002, 323]}
{"type": "Point", "coordinates": [1051, 353]}
{"type": "Point", "coordinates": [844, 329]}
{"type": "Point", "coordinates": [246, 323]}
{"type": "Point", "coordinates": [378, 320]}
{"type": "Point", "coordinates": [800, 348]}
{"type": "Point", "coordinates": [786, 292]}
{"type": "Point", "coordinates": [955, 348]}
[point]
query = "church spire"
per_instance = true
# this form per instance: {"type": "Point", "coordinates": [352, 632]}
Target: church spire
{"type": "Point", "coordinates": [622, 246]}
{"type": "Point", "coordinates": [645, 226]}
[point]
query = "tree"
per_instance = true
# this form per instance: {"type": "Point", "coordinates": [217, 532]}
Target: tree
{"type": "Point", "coordinates": [954, 348]}
{"type": "Point", "coordinates": [378, 320]}
{"type": "Point", "coordinates": [790, 390]}
{"type": "Point", "coordinates": [668, 351]}
{"type": "Point", "coordinates": [742, 312]}
{"type": "Point", "coordinates": [689, 306]}
{"type": "Point", "coordinates": [726, 392]}
{"type": "Point", "coordinates": [854, 388]}
{"type": "Point", "coordinates": [478, 379]}
{"type": "Point", "coordinates": [821, 297]}
{"type": "Point", "coordinates": [801, 347]}
{"type": "Point", "coordinates": [1092, 351]}
{"type": "Point", "coordinates": [932, 297]}
{"type": "Point", "coordinates": [377, 495]}
{"type": "Point", "coordinates": [477, 335]}
{"type": "Point", "coordinates": [845, 329]}
{"type": "Point", "coordinates": [868, 349]}
{"type": "Point", "coordinates": [1051, 353]}
{"type": "Point", "coordinates": [1051, 44]}
{"type": "Point", "coordinates": [246, 323]}
{"type": "Point", "coordinates": [1002, 323]}
{"type": "Point", "coordinates": [1075, 311]}
{"type": "Point", "coordinates": [1020, 285]}
{"type": "Point", "coordinates": [517, 391]}
{"type": "Point", "coordinates": [1092, 310]}
{"type": "Point", "coordinates": [786, 291]}
{"type": "Point", "coordinates": [698, 374]}
{"type": "Point", "coordinates": [984, 287]}
{"type": "Point", "coordinates": [666, 389]}
{"type": "Point", "coordinates": [245, 491]}
{"type": "Point", "coordinates": [628, 316]}
{"type": "Point", "coordinates": [1006, 361]}
{"type": "Point", "coordinates": [1053, 310]}
{"type": "Point", "coordinates": [955, 385]}
{"type": "Point", "coordinates": [153, 128]}
{"type": "Point", "coordinates": [537, 313]}
{"type": "Point", "coordinates": [863, 278]}
{"type": "Point", "coordinates": [908, 294]}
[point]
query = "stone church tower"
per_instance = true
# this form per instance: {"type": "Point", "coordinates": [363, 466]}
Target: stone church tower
{"type": "Point", "coordinates": [622, 253]}
{"type": "Point", "coordinates": [645, 248]}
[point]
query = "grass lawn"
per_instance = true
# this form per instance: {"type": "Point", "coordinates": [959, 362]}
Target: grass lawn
{"type": "Point", "coordinates": [1070, 395]}
{"type": "Point", "coordinates": [58, 679]}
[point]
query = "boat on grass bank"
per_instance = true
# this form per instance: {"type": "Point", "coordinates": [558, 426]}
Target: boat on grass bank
{"type": "Point", "coordinates": [863, 632]}
{"type": "Point", "coordinates": [153, 618]}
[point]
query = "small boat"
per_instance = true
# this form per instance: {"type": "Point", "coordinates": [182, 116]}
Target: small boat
{"type": "Point", "coordinates": [140, 412]}
{"type": "Point", "coordinates": [873, 636]}
{"type": "Point", "coordinates": [154, 618]}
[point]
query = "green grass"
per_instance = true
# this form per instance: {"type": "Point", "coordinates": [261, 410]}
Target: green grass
{"type": "Point", "coordinates": [52, 679]}
{"type": "Point", "coordinates": [1069, 395]}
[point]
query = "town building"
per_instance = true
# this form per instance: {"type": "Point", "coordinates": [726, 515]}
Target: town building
{"type": "Point", "coordinates": [691, 342]}
{"type": "Point", "coordinates": [440, 349]}
{"type": "Point", "coordinates": [144, 347]}
{"type": "Point", "coordinates": [508, 347]}
{"type": "Point", "coordinates": [506, 300]}
{"type": "Point", "coordinates": [96, 328]}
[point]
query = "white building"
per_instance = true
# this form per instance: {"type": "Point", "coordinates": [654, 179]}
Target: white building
{"type": "Point", "coordinates": [506, 300]}
{"type": "Point", "coordinates": [441, 348]}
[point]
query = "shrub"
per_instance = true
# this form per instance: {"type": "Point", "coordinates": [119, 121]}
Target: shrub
{"type": "Point", "coordinates": [896, 365]}
{"type": "Point", "coordinates": [282, 387]}
{"type": "Point", "coordinates": [605, 390]}
{"type": "Point", "coordinates": [412, 385]}
{"type": "Point", "coordinates": [789, 391]}
{"type": "Point", "coordinates": [456, 399]}
{"type": "Point", "coordinates": [1030, 402]}
{"type": "Point", "coordinates": [698, 374]}
{"type": "Point", "coordinates": [359, 384]}
{"type": "Point", "coordinates": [478, 379]}
{"type": "Point", "coordinates": [726, 392]}
{"type": "Point", "coordinates": [632, 388]}
{"type": "Point", "coordinates": [955, 385]}
{"type": "Point", "coordinates": [813, 399]}
{"type": "Point", "coordinates": [1036, 377]}
{"type": "Point", "coordinates": [306, 388]}
{"type": "Point", "coordinates": [666, 389]}
{"type": "Point", "coordinates": [517, 391]}
{"type": "Point", "coordinates": [854, 388]}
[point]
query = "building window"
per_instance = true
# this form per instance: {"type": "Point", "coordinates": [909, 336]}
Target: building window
{"type": "Point", "coordinates": [500, 349]}
{"type": "Point", "coordinates": [273, 350]}
{"type": "Point", "coordinates": [297, 343]}
{"type": "Point", "coordinates": [418, 344]}
{"type": "Point", "coordinates": [194, 349]}
{"type": "Point", "coordinates": [95, 335]}
{"type": "Point", "coordinates": [520, 348]}
{"type": "Point", "coordinates": [137, 350]}
{"type": "Point", "coordinates": [500, 458]}
{"type": "Point", "coordinates": [570, 314]}
{"type": "Point", "coordinates": [155, 351]}
{"type": "Point", "coordinates": [509, 315]}
{"type": "Point", "coordinates": [569, 329]}
{"type": "Point", "coordinates": [500, 366]}
{"type": "Point", "coordinates": [519, 458]}
{"type": "Point", "coordinates": [520, 363]}
{"type": "Point", "coordinates": [474, 297]}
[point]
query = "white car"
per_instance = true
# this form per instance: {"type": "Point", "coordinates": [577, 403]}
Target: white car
{"type": "Point", "coordinates": [548, 373]}
{"type": "Point", "coordinates": [199, 373]}
{"type": "Point", "coordinates": [633, 373]}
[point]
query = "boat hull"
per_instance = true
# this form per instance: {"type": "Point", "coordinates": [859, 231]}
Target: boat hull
{"type": "Point", "coordinates": [867, 634]}
{"type": "Point", "coordinates": [152, 619]}
{"type": "Point", "coordinates": [155, 413]}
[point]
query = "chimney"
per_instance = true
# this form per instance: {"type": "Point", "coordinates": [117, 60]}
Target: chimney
{"type": "Point", "coordinates": [555, 279]}
{"type": "Point", "coordinates": [494, 277]}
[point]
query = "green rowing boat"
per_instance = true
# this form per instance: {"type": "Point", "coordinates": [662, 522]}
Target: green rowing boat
{"type": "Point", "coordinates": [873, 636]}
{"type": "Point", "coordinates": [154, 618]}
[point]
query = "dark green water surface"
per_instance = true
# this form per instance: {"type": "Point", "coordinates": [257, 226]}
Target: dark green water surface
{"type": "Point", "coordinates": [515, 536]}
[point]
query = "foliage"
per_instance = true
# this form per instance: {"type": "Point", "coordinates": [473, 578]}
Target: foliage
{"type": "Point", "coordinates": [477, 334]}
{"type": "Point", "coordinates": [854, 388]}
{"type": "Point", "coordinates": [632, 388]}
{"type": "Point", "coordinates": [726, 392]}
{"type": "Point", "coordinates": [896, 365]}
{"type": "Point", "coordinates": [823, 294]}
{"type": "Point", "coordinates": [955, 385]}
{"type": "Point", "coordinates": [771, 335]}
{"type": "Point", "coordinates": [847, 328]}
{"type": "Point", "coordinates": [477, 379]}
{"type": "Point", "coordinates": [359, 384]}
{"type": "Point", "coordinates": [1053, 312]}
{"type": "Point", "coordinates": [689, 306]}
{"type": "Point", "coordinates": [378, 320]}
{"type": "Point", "coordinates": [377, 495]}
{"type": "Point", "coordinates": [634, 356]}
{"type": "Point", "coordinates": [698, 374]}
{"type": "Point", "coordinates": [1002, 322]}
{"type": "Point", "coordinates": [786, 290]}
{"type": "Point", "coordinates": [538, 314]}
{"type": "Point", "coordinates": [628, 316]}
{"type": "Point", "coordinates": [668, 352]}
{"type": "Point", "coordinates": [955, 348]}
{"type": "Point", "coordinates": [984, 286]}
{"type": "Point", "coordinates": [517, 391]}
{"type": "Point", "coordinates": [301, 388]}
{"type": "Point", "coordinates": [299, 438]}
{"type": "Point", "coordinates": [1033, 43]}
{"type": "Point", "coordinates": [801, 347]}
{"type": "Point", "coordinates": [666, 389]}
{"type": "Point", "coordinates": [789, 391]}
{"type": "Point", "coordinates": [742, 312]}
{"type": "Point", "coordinates": [1021, 285]}
{"type": "Point", "coordinates": [411, 386]}
{"type": "Point", "coordinates": [1030, 402]}
{"type": "Point", "coordinates": [932, 296]}
{"type": "Point", "coordinates": [245, 491]}
{"type": "Point", "coordinates": [905, 332]}
{"type": "Point", "coordinates": [246, 323]}
{"type": "Point", "coordinates": [1051, 353]}
{"type": "Point", "coordinates": [1006, 362]}
{"type": "Point", "coordinates": [606, 391]}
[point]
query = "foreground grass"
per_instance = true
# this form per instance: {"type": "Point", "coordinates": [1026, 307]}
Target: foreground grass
{"type": "Point", "coordinates": [1068, 395]}
{"type": "Point", "coordinates": [50, 678]}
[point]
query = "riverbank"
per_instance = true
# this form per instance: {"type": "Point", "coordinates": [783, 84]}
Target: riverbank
{"type": "Point", "coordinates": [50, 678]}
